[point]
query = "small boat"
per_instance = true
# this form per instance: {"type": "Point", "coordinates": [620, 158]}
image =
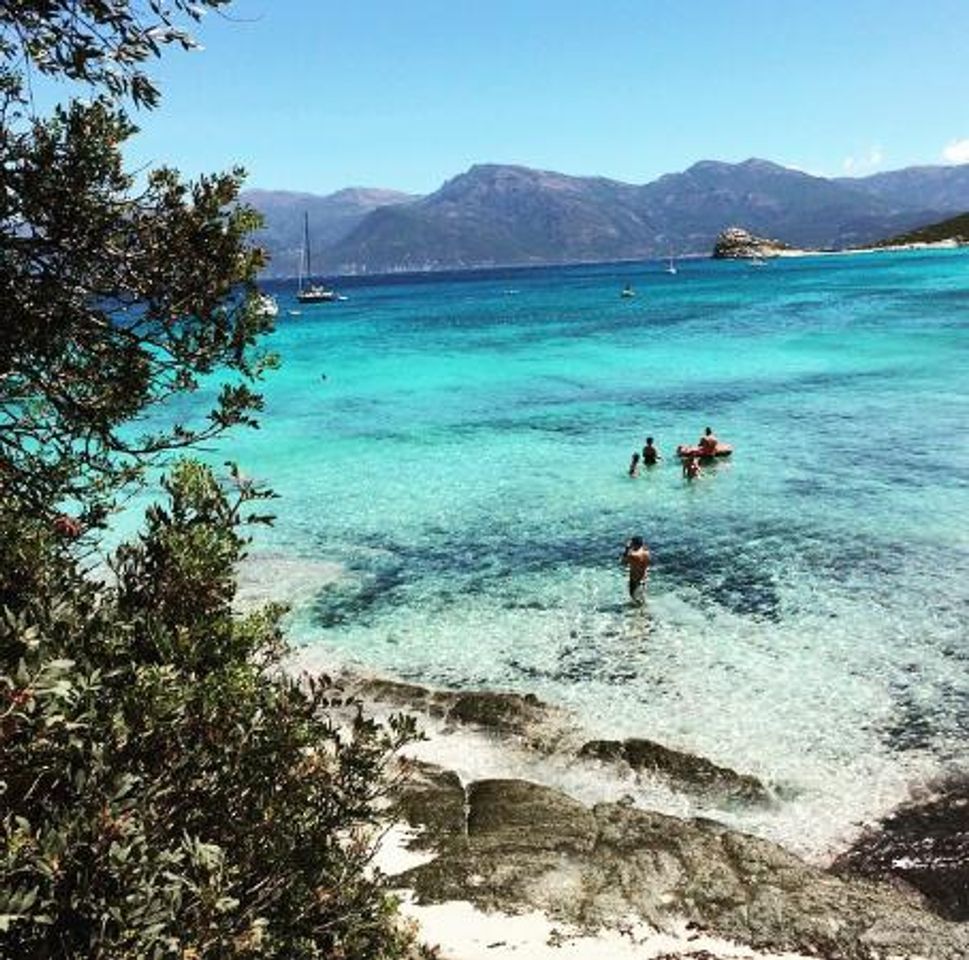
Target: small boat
{"type": "Point", "coordinates": [265, 305]}
{"type": "Point", "coordinates": [671, 266]}
{"type": "Point", "coordinates": [685, 451]}
{"type": "Point", "coordinates": [312, 292]}
{"type": "Point", "coordinates": [627, 291]}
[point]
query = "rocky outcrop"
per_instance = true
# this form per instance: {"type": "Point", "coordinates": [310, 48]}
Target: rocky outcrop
{"type": "Point", "coordinates": [924, 844]}
{"type": "Point", "coordinates": [522, 716]}
{"type": "Point", "coordinates": [524, 846]}
{"type": "Point", "coordinates": [684, 771]}
{"type": "Point", "coordinates": [735, 243]}
{"type": "Point", "coordinates": [539, 726]}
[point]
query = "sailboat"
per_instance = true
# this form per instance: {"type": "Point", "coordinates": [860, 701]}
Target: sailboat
{"type": "Point", "coordinates": [312, 292]}
{"type": "Point", "coordinates": [671, 266]}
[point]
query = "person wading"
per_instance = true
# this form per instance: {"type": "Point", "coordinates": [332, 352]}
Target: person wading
{"type": "Point", "coordinates": [636, 558]}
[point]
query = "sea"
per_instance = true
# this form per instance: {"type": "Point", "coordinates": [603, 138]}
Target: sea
{"type": "Point", "coordinates": [451, 454]}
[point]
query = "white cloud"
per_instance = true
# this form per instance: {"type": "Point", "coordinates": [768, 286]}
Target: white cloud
{"type": "Point", "coordinates": [867, 163]}
{"type": "Point", "coordinates": [956, 152]}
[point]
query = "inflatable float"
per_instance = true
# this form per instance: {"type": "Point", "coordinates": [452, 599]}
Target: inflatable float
{"type": "Point", "coordinates": [685, 452]}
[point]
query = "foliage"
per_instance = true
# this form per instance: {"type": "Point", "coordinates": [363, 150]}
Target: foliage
{"type": "Point", "coordinates": [166, 789]}
{"type": "Point", "coordinates": [955, 229]}
{"type": "Point", "coordinates": [112, 303]}
{"type": "Point", "coordinates": [101, 42]}
{"type": "Point", "coordinates": [164, 794]}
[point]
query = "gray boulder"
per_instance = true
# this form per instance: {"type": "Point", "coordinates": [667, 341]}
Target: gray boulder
{"type": "Point", "coordinates": [527, 846]}
{"type": "Point", "coordinates": [683, 771]}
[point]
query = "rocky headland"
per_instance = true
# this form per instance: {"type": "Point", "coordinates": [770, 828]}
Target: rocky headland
{"type": "Point", "coordinates": [498, 855]}
{"type": "Point", "coordinates": [735, 243]}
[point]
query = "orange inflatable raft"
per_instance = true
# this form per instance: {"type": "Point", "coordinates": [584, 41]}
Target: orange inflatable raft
{"type": "Point", "coordinates": [685, 451]}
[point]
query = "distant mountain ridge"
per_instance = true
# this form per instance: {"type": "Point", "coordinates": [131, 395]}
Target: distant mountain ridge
{"type": "Point", "coordinates": [503, 215]}
{"type": "Point", "coordinates": [332, 217]}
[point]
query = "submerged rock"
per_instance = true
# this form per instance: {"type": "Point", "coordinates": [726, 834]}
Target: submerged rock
{"type": "Point", "coordinates": [531, 847]}
{"type": "Point", "coordinates": [925, 844]}
{"type": "Point", "coordinates": [735, 243]}
{"type": "Point", "coordinates": [684, 771]}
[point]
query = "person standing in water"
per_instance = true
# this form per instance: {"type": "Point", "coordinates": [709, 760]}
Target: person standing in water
{"type": "Point", "coordinates": [634, 466]}
{"type": "Point", "coordinates": [691, 468]}
{"type": "Point", "coordinates": [650, 453]}
{"type": "Point", "coordinates": [636, 558]}
{"type": "Point", "coordinates": [708, 443]}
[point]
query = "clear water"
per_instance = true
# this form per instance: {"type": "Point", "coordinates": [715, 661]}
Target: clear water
{"type": "Point", "coordinates": [463, 469]}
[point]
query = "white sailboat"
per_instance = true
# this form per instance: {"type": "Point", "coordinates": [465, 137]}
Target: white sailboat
{"type": "Point", "coordinates": [311, 292]}
{"type": "Point", "coordinates": [671, 266]}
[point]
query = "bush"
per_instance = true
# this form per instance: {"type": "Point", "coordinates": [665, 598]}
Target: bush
{"type": "Point", "coordinates": [168, 791]}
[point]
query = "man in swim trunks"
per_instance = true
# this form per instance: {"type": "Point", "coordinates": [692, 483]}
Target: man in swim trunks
{"type": "Point", "coordinates": [650, 453]}
{"type": "Point", "coordinates": [636, 557]}
{"type": "Point", "coordinates": [708, 443]}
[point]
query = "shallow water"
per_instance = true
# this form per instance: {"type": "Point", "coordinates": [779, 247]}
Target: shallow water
{"type": "Point", "coordinates": [464, 464]}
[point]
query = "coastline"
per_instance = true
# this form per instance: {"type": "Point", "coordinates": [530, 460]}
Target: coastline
{"type": "Point", "coordinates": [742, 606]}
{"type": "Point", "coordinates": [504, 867]}
{"type": "Point", "coordinates": [892, 248]}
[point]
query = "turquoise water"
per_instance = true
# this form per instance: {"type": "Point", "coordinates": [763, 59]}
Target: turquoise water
{"type": "Point", "coordinates": [455, 500]}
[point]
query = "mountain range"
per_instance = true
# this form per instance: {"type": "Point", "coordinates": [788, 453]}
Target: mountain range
{"type": "Point", "coordinates": [502, 215]}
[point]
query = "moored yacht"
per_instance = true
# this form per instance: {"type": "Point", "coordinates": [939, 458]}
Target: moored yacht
{"type": "Point", "coordinates": [311, 292]}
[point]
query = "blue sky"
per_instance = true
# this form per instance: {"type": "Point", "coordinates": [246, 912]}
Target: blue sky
{"type": "Point", "coordinates": [312, 95]}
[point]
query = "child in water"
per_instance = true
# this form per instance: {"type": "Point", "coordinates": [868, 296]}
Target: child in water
{"type": "Point", "coordinates": [691, 468]}
{"type": "Point", "coordinates": [634, 466]}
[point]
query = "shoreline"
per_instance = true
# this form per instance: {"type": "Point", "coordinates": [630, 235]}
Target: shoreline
{"type": "Point", "coordinates": [893, 248]}
{"type": "Point", "coordinates": [434, 274]}
{"type": "Point", "coordinates": [497, 867]}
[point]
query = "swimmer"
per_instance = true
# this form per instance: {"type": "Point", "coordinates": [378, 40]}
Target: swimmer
{"type": "Point", "coordinates": [650, 453]}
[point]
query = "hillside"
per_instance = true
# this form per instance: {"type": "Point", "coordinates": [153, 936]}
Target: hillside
{"type": "Point", "coordinates": [954, 229]}
{"type": "Point", "coordinates": [332, 217]}
{"type": "Point", "coordinates": [496, 214]}
{"type": "Point", "coordinates": [501, 215]}
{"type": "Point", "coordinates": [928, 188]}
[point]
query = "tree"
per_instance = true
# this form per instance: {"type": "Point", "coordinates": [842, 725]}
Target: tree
{"type": "Point", "coordinates": [113, 300]}
{"type": "Point", "coordinates": [166, 790]}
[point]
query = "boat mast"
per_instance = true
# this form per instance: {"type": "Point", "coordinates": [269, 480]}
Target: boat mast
{"type": "Point", "coordinates": [306, 246]}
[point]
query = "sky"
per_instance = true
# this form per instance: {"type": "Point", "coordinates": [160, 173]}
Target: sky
{"type": "Point", "coordinates": [314, 96]}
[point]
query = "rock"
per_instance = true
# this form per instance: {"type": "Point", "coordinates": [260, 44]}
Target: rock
{"type": "Point", "coordinates": [433, 798]}
{"type": "Point", "coordinates": [528, 816]}
{"type": "Point", "coordinates": [408, 696]}
{"type": "Point", "coordinates": [684, 771]}
{"type": "Point", "coordinates": [735, 243]}
{"type": "Point", "coordinates": [531, 847]}
{"type": "Point", "coordinates": [524, 716]}
{"type": "Point", "coordinates": [501, 712]}
{"type": "Point", "coordinates": [925, 844]}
